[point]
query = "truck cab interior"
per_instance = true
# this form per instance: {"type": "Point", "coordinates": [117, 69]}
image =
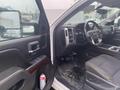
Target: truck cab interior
{"type": "Point", "coordinates": [81, 49]}
{"type": "Point", "coordinates": [87, 46]}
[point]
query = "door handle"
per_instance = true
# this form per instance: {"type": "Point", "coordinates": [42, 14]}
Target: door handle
{"type": "Point", "coordinates": [33, 46]}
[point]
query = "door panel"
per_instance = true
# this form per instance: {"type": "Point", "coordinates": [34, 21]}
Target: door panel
{"type": "Point", "coordinates": [16, 51]}
{"type": "Point", "coordinates": [15, 57]}
{"type": "Point", "coordinates": [22, 60]}
{"type": "Point", "coordinates": [16, 78]}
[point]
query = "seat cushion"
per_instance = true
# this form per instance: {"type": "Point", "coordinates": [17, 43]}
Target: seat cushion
{"type": "Point", "coordinates": [106, 67]}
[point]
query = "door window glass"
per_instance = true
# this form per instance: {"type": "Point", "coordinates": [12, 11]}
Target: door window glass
{"type": "Point", "coordinates": [18, 18]}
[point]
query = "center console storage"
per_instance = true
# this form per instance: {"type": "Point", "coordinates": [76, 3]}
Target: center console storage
{"type": "Point", "coordinates": [114, 48]}
{"type": "Point", "coordinates": [110, 47]}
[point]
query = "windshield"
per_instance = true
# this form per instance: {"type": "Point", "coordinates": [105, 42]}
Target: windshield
{"type": "Point", "coordinates": [95, 11]}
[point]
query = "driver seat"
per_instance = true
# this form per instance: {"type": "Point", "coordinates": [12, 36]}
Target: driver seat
{"type": "Point", "coordinates": [103, 73]}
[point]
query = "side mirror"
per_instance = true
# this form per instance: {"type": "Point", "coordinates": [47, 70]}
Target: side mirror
{"type": "Point", "coordinates": [10, 24]}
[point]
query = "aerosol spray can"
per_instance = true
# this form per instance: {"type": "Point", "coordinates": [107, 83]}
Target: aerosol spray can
{"type": "Point", "coordinates": [42, 80]}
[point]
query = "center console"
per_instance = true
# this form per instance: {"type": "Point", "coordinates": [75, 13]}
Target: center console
{"type": "Point", "coordinates": [111, 48]}
{"type": "Point", "coordinates": [114, 48]}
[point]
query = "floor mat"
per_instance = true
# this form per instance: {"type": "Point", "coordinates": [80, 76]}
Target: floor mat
{"type": "Point", "coordinates": [72, 70]}
{"type": "Point", "coordinates": [73, 73]}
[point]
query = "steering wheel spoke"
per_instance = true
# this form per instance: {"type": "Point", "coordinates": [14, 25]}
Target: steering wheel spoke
{"type": "Point", "coordinates": [96, 42]}
{"type": "Point", "coordinates": [93, 34]}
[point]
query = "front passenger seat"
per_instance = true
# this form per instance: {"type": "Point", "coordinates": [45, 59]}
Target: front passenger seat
{"type": "Point", "coordinates": [103, 73]}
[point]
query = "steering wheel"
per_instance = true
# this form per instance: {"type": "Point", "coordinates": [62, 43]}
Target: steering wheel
{"type": "Point", "coordinates": [93, 32]}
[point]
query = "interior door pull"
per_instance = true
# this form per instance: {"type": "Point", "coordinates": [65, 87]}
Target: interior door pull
{"type": "Point", "coordinates": [33, 47]}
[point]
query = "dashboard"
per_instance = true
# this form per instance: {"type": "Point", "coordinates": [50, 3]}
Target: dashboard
{"type": "Point", "coordinates": [70, 37]}
{"type": "Point", "coordinates": [74, 35]}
